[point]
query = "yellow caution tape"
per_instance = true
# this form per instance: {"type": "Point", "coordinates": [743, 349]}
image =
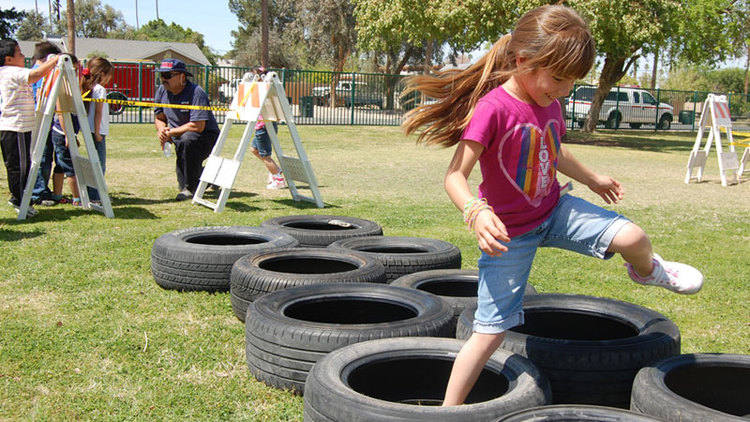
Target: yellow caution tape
{"type": "Point", "coordinates": [148, 104]}
{"type": "Point", "coordinates": [734, 132]}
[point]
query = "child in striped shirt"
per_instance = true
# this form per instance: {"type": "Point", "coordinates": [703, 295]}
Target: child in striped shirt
{"type": "Point", "coordinates": [17, 115]}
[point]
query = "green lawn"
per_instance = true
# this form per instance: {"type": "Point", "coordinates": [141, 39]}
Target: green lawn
{"type": "Point", "coordinates": [87, 334]}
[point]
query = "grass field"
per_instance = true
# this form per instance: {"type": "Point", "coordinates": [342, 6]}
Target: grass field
{"type": "Point", "coordinates": [85, 333]}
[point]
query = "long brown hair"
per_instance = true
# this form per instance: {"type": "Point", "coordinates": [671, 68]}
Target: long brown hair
{"type": "Point", "coordinates": [97, 67]}
{"type": "Point", "coordinates": [555, 38]}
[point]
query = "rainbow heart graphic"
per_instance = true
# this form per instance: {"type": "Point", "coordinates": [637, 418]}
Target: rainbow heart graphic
{"type": "Point", "coordinates": [531, 168]}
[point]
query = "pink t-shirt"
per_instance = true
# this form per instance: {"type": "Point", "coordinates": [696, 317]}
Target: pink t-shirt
{"type": "Point", "coordinates": [519, 162]}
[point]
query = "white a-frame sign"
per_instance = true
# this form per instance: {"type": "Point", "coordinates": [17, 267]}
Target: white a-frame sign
{"type": "Point", "coordinates": [715, 115]}
{"type": "Point", "coordinates": [61, 92]}
{"type": "Point", "coordinates": [256, 97]}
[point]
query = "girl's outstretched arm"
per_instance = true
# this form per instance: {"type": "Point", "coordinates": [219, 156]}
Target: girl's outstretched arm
{"type": "Point", "coordinates": [487, 226]}
{"type": "Point", "coordinates": [606, 187]}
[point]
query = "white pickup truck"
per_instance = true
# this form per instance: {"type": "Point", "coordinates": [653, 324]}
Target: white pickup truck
{"type": "Point", "coordinates": [363, 94]}
{"type": "Point", "coordinates": [633, 106]}
{"type": "Point", "coordinates": [227, 90]}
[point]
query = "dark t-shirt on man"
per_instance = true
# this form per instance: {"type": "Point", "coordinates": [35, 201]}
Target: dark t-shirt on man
{"type": "Point", "coordinates": [192, 94]}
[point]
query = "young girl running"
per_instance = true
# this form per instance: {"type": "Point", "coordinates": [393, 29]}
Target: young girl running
{"type": "Point", "coordinates": [503, 112]}
{"type": "Point", "coordinates": [98, 72]}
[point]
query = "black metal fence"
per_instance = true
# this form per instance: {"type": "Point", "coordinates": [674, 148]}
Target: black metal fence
{"type": "Point", "coordinates": [358, 98]}
{"type": "Point", "coordinates": [639, 108]}
{"type": "Point", "coordinates": [340, 98]}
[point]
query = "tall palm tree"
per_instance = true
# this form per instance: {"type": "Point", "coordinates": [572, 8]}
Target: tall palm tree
{"type": "Point", "coordinates": [70, 15]}
{"type": "Point", "coordinates": [264, 33]}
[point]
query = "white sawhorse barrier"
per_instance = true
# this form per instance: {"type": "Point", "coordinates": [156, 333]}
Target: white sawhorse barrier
{"type": "Point", "coordinates": [715, 115]}
{"type": "Point", "coordinates": [256, 96]}
{"type": "Point", "coordinates": [61, 90]}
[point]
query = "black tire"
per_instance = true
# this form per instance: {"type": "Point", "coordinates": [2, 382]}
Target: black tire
{"type": "Point", "coordinates": [201, 258]}
{"type": "Point", "coordinates": [590, 348]}
{"type": "Point", "coordinates": [457, 287]}
{"type": "Point", "coordinates": [288, 331]}
{"type": "Point", "coordinates": [695, 387]}
{"type": "Point", "coordinates": [635, 125]}
{"type": "Point", "coordinates": [404, 379]}
{"type": "Point", "coordinates": [613, 120]}
{"type": "Point", "coordinates": [116, 109]}
{"type": "Point", "coordinates": [665, 122]}
{"type": "Point", "coordinates": [255, 275]}
{"type": "Point", "coordinates": [404, 255]}
{"type": "Point", "coordinates": [320, 231]}
{"type": "Point", "coordinates": [568, 413]}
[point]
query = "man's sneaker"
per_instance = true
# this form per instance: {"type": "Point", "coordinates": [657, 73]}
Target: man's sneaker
{"type": "Point", "coordinates": [184, 195]}
{"type": "Point", "coordinates": [278, 182]}
{"type": "Point", "coordinates": [29, 213]}
{"type": "Point", "coordinates": [674, 276]}
{"type": "Point", "coordinates": [50, 199]}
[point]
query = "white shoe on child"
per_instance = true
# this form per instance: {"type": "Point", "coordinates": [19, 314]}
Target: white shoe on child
{"type": "Point", "coordinates": [278, 182]}
{"type": "Point", "coordinates": [674, 276]}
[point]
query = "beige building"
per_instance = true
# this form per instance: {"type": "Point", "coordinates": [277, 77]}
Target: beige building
{"type": "Point", "coordinates": [129, 50]}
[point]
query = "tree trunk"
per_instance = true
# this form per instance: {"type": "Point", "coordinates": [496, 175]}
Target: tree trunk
{"type": "Point", "coordinates": [613, 70]}
{"type": "Point", "coordinates": [264, 33]}
{"type": "Point", "coordinates": [655, 69]}
{"type": "Point", "coordinates": [747, 65]}
{"type": "Point", "coordinates": [429, 50]}
{"type": "Point", "coordinates": [71, 18]}
{"type": "Point", "coordinates": [392, 78]}
{"type": "Point", "coordinates": [340, 56]}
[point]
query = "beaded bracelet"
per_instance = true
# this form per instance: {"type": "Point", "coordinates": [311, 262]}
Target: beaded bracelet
{"type": "Point", "coordinates": [472, 209]}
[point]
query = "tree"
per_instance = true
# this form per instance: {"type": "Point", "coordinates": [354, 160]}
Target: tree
{"type": "Point", "coordinates": [92, 20]}
{"type": "Point", "coordinates": [264, 33]}
{"type": "Point", "coordinates": [329, 28]}
{"type": "Point", "coordinates": [284, 50]}
{"type": "Point", "coordinates": [71, 22]}
{"type": "Point", "coordinates": [401, 29]}
{"type": "Point", "coordinates": [9, 19]}
{"type": "Point", "coordinates": [282, 14]}
{"type": "Point", "coordinates": [623, 31]}
{"type": "Point", "coordinates": [158, 30]}
{"type": "Point", "coordinates": [33, 27]}
{"type": "Point", "coordinates": [740, 34]}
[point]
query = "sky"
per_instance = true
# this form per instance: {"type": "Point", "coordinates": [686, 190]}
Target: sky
{"type": "Point", "coordinates": [211, 18]}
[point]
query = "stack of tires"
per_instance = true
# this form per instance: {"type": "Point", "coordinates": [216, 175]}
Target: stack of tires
{"type": "Point", "coordinates": [359, 322]}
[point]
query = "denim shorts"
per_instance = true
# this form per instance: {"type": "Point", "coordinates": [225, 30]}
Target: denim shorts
{"type": "Point", "coordinates": [575, 225]}
{"type": "Point", "coordinates": [63, 160]}
{"type": "Point", "coordinates": [262, 141]}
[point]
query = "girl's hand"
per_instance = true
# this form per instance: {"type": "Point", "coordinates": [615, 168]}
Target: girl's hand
{"type": "Point", "coordinates": [97, 137]}
{"type": "Point", "coordinates": [489, 229]}
{"type": "Point", "coordinates": [608, 188]}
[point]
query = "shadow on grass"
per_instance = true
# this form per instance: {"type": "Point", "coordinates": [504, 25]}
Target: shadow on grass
{"type": "Point", "coordinates": [240, 206]}
{"type": "Point", "coordinates": [58, 213]}
{"type": "Point", "coordinates": [302, 204]}
{"type": "Point", "coordinates": [14, 236]}
{"type": "Point", "coordinates": [640, 140]}
{"type": "Point", "coordinates": [133, 213]}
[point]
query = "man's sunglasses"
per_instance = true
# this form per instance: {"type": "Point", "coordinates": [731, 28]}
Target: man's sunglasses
{"type": "Point", "coordinates": [166, 76]}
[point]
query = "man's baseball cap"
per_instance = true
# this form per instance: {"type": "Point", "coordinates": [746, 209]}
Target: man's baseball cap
{"type": "Point", "coordinates": [172, 65]}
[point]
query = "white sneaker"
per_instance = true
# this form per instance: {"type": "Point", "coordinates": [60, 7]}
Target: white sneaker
{"type": "Point", "coordinates": [278, 182]}
{"type": "Point", "coordinates": [674, 276]}
{"type": "Point", "coordinates": [29, 213]}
